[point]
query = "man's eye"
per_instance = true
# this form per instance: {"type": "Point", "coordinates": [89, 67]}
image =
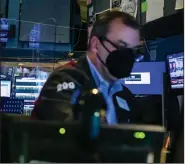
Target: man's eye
{"type": "Point", "coordinates": [122, 47]}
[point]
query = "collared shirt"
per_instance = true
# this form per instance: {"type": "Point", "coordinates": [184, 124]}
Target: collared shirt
{"type": "Point", "coordinates": [107, 91]}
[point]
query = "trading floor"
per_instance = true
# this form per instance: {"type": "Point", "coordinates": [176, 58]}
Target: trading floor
{"type": "Point", "coordinates": [91, 81]}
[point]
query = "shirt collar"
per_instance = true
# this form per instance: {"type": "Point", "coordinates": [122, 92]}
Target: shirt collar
{"type": "Point", "coordinates": [99, 80]}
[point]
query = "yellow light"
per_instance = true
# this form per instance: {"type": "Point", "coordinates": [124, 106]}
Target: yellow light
{"type": "Point", "coordinates": [96, 114]}
{"type": "Point", "coordinates": [102, 112]}
{"type": "Point", "coordinates": [95, 91]}
{"type": "Point", "coordinates": [62, 131]}
{"type": "Point", "coordinates": [20, 64]}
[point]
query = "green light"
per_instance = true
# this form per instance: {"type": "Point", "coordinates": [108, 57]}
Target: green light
{"type": "Point", "coordinates": [144, 6]}
{"type": "Point", "coordinates": [142, 135]}
{"type": "Point", "coordinates": [139, 135]}
{"type": "Point", "coordinates": [62, 131]}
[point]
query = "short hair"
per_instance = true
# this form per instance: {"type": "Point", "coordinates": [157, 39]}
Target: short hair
{"type": "Point", "coordinates": [101, 27]}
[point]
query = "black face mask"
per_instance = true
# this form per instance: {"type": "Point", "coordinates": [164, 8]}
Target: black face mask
{"type": "Point", "coordinates": [119, 62]}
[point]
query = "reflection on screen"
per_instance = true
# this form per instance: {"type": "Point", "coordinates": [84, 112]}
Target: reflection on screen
{"type": "Point", "coordinates": [146, 78]}
{"type": "Point", "coordinates": [5, 88]}
{"type": "Point", "coordinates": [28, 89]}
{"type": "Point", "coordinates": [4, 27]}
{"type": "Point", "coordinates": [176, 70]}
{"type": "Point", "coordinates": [6, 72]}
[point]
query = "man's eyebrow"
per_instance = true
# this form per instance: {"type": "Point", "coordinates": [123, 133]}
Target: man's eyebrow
{"type": "Point", "coordinates": [128, 45]}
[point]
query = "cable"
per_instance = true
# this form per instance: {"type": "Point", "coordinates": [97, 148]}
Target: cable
{"type": "Point", "coordinates": [146, 47]}
{"type": "Point", "coordinates": [73, 28]}
{"type": "Point", "coordinates": [80, 29]}
{"type": "Point", "coordinates": [37, 50]}
{"type": "Point", "coordinates": [55, 40]}
{"type": "Point", "coordinates": [157, 42]}
{"type": "Point", "coordinates": [79, 34]}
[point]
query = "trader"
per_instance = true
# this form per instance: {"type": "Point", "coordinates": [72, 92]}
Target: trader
{"type": "Point", "coordinates": [109, 59]}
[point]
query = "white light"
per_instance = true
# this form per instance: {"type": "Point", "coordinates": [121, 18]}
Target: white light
{"type": "Point", "coordinates": [95, 91]}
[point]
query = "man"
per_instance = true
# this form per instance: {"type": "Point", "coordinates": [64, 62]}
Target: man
{"type": "Point", "coordinates": [109, 59]}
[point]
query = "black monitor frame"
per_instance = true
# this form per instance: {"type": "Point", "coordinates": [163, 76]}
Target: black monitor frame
{"type": "Point", "coordinates": [24, 131]}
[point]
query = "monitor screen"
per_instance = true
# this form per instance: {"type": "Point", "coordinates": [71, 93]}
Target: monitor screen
{"type": "Point", "coordinates": [176, 70]}
{"type": "Point", "coordinates": [28, 89]}
{"type": "Point", "coordinates": [48, 27]}
{"type": "Point", "coordinates": [6, 72]}
{"type": "Point", "coordinates": [5, 88]}
{"type": "Point", "coordinates": [146, 78]}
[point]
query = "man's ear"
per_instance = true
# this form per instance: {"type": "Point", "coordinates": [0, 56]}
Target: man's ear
{"type": "Point", "coordinates": [93, 44]}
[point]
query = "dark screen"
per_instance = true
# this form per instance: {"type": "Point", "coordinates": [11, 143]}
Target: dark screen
{"type": "Point", "coordinates": [50, 13]}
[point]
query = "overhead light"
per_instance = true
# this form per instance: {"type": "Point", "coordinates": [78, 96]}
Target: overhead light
{"type": "Point", "coordinates": [21, 64]}
{"type": "Point", "coordinates": [70, 54]}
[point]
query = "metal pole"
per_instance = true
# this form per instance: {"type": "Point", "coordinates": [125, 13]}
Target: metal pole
{"type": "Point", "coordinates": [142, 14]}
{"type": "Point", "coordinates": [0, 8]}
{"type": "Point", "coordinates": [138, 17]}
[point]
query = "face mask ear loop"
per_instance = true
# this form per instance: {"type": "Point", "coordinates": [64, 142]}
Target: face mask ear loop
{"type": "Point", "coordinates": [101, 60]}
{"type": "Point", "coordinates": [105, 46]}
{"type": "Point", "coordinates": [99, 56]}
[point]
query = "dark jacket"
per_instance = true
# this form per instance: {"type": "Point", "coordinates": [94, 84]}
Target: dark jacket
{"type": "Point", "coordinates": [53, 105]}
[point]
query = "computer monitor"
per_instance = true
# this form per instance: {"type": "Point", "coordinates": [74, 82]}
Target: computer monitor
{"type": "Point", "coordinates": [60, 142]}
{"type": "Point", "coordinates": [175, 67]}
{"type": "Point", "coordinates": [5, 88]}
{"type": "Point", "coordinates": [146, 78]}
{"type": "Point", "coordinates": [28, 89]}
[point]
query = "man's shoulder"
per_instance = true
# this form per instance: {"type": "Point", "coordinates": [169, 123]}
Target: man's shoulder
{"type": "Point", "coordinates": [71, 70]}
{"type": "Point", "coordinates": [71, 65]}
{"type": "Point", "coordinates": [74, 66]}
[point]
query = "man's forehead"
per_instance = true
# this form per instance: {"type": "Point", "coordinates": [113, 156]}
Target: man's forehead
{"type": "Point", "coordinates": [121, 33]}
